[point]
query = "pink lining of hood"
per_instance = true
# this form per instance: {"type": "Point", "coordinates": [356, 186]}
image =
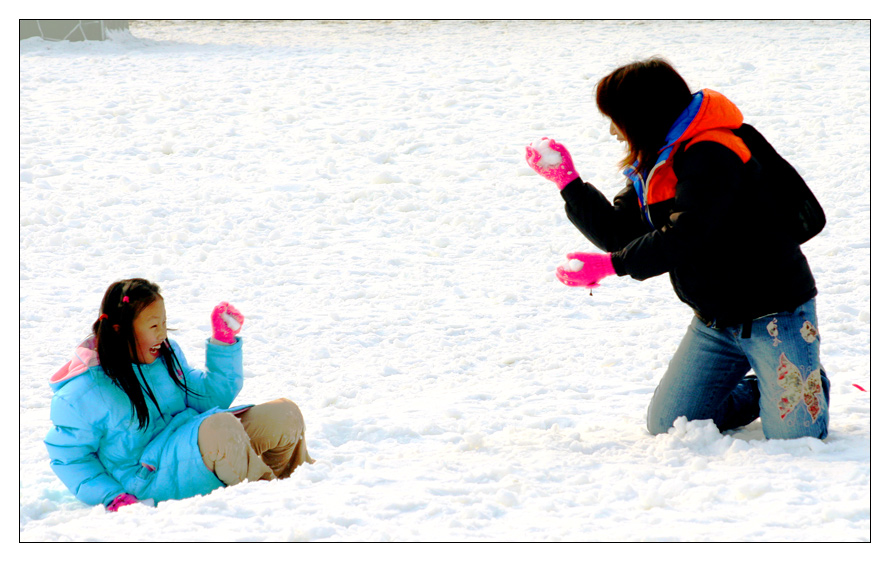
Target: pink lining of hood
{"type": "Point", "coordinates": [85, 357]}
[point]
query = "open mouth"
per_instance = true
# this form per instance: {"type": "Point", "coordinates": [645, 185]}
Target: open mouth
{"type": "Point", "coordinates": [154, 350]}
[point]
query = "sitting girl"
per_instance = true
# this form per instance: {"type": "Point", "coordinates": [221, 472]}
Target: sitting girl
{"type": "Point", "coordinates": [130, 428]}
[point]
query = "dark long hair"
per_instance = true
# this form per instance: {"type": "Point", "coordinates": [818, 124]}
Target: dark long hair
{"type": "Point", "coordinates": [643, 99]}
{"type": "Point", "coordinates": [116, 343]}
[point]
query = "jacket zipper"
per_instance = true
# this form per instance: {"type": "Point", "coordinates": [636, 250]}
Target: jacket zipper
{"type": "Point", "coordinates": [645, 201]}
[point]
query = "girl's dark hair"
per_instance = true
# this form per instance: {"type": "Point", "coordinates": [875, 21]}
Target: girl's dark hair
{"type": "Point", "coordinates": [116, 343]}
{"type": "Point", "coordinates": [643, 99]}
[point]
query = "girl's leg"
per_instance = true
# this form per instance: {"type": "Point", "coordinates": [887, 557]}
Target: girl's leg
{"type": "Point", "coordinates": [278, 434]}
{"type": "Point", "coordinates": [227, 452]}
{"type": "Point", "coordinates": [784, 350]}
{"type": "Point", "coordinates": [705, 380]}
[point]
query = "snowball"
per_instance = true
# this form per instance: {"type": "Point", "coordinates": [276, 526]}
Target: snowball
{"type": "Point", "coordinates": [231, 321]}
{"type": "Point", "coordinates": [549, 157]}
{"type": "Point", "coordinates": [573, 265]}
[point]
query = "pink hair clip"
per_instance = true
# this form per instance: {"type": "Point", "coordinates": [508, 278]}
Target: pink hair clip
{"type": "Point", "coordinates": [103, 316]}
{"type": "Point", "coordinates": [126, 299]}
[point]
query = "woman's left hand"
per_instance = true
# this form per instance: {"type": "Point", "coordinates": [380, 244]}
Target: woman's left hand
{"type": "Point", "coordinates": [594, 267]}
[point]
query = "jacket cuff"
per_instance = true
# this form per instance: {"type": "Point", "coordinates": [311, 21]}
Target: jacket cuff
{"type": "Point", "coordinates": [213, 342]}
{"type": "Point", "coordinates": [618, 264]}
{"type": "Point", "coordinates": [573, 186]}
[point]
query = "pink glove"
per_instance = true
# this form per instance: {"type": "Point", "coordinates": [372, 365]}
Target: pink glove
{"type": "Point", "coordinates": [595, 268]}
{"type": "Point", "coordinates": [120, 500]}
{"type": "Point", "coordinates": [555, 163]}
{"type": "Point", "coordinates": [226, 321]}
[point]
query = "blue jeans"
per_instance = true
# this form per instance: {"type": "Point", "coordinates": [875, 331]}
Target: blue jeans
{"type": "Point", "coordinates": [706, 378]}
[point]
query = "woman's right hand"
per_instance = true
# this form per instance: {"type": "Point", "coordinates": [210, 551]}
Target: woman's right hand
{"type": "Point", "coordinates": [556, 167]}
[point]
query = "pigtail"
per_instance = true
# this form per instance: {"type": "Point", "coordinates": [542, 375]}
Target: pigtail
{"type": "Point", "coordinates": [175, 369]}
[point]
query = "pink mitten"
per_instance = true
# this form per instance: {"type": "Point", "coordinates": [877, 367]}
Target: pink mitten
{"type": "Point", "coordinates": [552, 161]}
{"type": "Point", "coordinates": [120, 500]}
{"type": "Point", "coordinates": [226, 321]}
{"type": "Point", "coordinates": [594, 267]}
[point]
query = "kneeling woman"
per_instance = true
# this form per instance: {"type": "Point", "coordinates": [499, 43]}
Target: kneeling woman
{"type": "Point", "coordinates": [695, 206]}
{"type": "Point", "coordinates": [134, 422]}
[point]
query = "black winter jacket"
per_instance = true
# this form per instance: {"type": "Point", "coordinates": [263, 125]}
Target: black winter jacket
{"type": "Point", "coordinates": [727, 255]}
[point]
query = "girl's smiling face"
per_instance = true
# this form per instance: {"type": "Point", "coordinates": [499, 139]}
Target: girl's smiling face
{"type": "Point", "coordinates": [150, 330]}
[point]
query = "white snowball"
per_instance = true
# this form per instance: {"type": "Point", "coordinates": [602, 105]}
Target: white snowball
{"type": "Point", "coordinates": [549, 157]}
{"type": "Point", "coordinates": [231, 321]}
{"type": "Point", "coordinates": [573, 265]}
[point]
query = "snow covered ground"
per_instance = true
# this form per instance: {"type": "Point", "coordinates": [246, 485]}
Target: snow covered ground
{"type": "Point", "coordinates": [358, 190]}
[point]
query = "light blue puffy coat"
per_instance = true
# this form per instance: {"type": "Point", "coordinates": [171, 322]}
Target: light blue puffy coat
{"type": "Point", "coordinates": [96, 447]}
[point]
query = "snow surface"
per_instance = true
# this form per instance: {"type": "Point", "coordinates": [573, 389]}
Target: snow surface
{"type": "Point", "coordinates": [359, 191]}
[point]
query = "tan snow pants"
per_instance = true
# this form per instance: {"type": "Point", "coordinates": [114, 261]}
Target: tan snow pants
{"type": "Point", "coordinates": [267, 441]}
